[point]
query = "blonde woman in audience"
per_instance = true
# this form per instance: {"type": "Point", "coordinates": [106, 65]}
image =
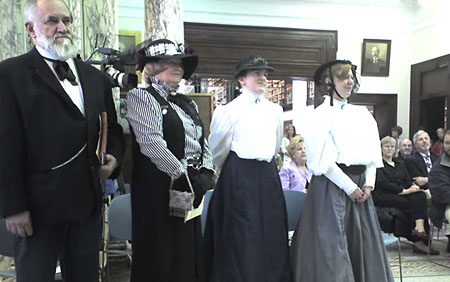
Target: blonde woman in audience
{"type": "Point", "coordinates": [338, 236]}
{"type": "Point", "coordinates": [394, 187]}
{"type": "Point", "coordinates": [295, 175]}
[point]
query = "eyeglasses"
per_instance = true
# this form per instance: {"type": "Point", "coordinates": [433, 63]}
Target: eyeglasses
{"type": "Point", "coordinates": [389, 146]}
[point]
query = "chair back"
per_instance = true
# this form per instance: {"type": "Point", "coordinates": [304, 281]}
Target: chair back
{"type": "Point", "coordinates": [294, 206]}
{"type": "Point", "coordinates": [119, 217]}
{"type": "Point", "coordinates": [6, 240]}
{"type": "Point", "coordinates": [205, 208]}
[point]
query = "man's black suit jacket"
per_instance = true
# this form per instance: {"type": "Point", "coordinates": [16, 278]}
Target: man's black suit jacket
{"type": "Point", "coordinates": [40, 128]}
{"type": "Point", "coordinates": [416, 165]}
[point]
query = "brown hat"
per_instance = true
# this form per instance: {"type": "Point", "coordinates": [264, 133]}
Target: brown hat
{"type": "Point", "coordinates": [165, 49]}
{"type": "Point", "coordinates": [254, 62]}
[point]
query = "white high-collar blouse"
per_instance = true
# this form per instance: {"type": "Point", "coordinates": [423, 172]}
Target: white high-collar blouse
{"type": "Point", "coordinates": [250, 125]}
{"type": "Point", "coordinates": [344, 134]}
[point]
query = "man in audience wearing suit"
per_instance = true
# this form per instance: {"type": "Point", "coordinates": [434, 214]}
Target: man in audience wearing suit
{"type": "Point", "coordinates": [440, 190]}
{"type": "Point", "coordinates": [50, 191]}
{"type": "Point", "coordinates": [405, 149]}
{"type": "Point", "coordinates": [420, 163]}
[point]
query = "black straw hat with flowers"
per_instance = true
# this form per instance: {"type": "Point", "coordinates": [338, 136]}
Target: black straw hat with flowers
{"type": "Point", "coordinates": [155, 50]}
{"type": "Point", "coordinates": [254, 62]}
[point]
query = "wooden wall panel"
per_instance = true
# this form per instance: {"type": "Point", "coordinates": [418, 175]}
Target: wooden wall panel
{"type": "Point", "coordinates": [430, 87]}
{"type": "Point", "coordinates": [435, 81]}
{"type": "Point", "coordinates": [385, 109]}
{"type": "Point", "coordinates": [291, 52]}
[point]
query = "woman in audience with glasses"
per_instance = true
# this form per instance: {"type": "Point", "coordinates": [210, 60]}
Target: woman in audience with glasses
{"type": "Point", "coordinates": [394, 188]}
{"type": "Point", "coordinates": [338, 236]}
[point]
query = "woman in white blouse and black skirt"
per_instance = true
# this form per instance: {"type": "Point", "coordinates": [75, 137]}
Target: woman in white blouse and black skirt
{"type": "Point", "coordinates": [338, 236]}
{"type": "Point", "coordinates": [246, 230]}
{"type": "Point", "coordinates": [168, 140]}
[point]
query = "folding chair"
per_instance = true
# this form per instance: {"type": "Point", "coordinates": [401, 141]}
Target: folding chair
{"type": "Point", "coordinates": [119, 220]}
{"type": "Point", "coordinates": [205, 208]}
{"type": "Point", "coordinates": [294, 205]}
{"type": "Point", "coordinates": [391, 239]}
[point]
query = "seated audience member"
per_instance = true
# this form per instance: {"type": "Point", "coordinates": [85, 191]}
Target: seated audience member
{"type": "Point", "coordinates": [289, 133]}
{"type": "Point", "coordinates": [440, 190]}
{"type": "Point", "coordinates": [437, 147]}
{"type": "Point", "coordinates": [419, 163]}
{"type": "Point", "coordinates": [394, 188]}
{"type": "Point", "coordinates": [405, 149]}
{"type": "Point", "coordinates": [295, 175]}
{"type": "Point", "coordinates": [396, 131]}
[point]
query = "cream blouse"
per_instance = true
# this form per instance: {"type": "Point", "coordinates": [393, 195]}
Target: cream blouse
{"type": "Point", "coordinates": [250, 125]}
{"type": "Point", "coordinates": [344, 134]}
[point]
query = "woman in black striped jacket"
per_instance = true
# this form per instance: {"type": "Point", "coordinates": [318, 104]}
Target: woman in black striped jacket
{"type": "Point", "coordinates": [168, 141]}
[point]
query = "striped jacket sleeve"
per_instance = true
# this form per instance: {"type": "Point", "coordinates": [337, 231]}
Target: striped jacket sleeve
{"type": "Point", "coordinates": [144, 116]}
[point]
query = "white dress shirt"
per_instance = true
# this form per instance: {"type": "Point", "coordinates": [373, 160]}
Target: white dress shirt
{"type": "Point", "coordinates": [75, 92]}
{"type": "Point", "coordinates": [344, 134]}
{"type": "Point", "coordinates": [250, 125]}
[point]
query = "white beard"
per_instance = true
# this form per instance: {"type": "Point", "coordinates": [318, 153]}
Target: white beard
{"type": "Point", "coordinates": [62, 52]}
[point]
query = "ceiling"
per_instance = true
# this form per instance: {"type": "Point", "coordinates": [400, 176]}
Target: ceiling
{"type": "Point", "coordinates": [405, 4]}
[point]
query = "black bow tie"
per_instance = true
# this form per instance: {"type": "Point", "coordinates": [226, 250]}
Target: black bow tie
{"type": "Point", "coordinates": [63, 71]}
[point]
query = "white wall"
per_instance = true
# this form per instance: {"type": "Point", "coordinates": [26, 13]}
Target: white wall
{"type": "Point", "coordinates": [431, 38]}
{"type": "Point", "coordinates": [416, 35]}
{"type": "Point", "coordinates": [132, 16]}
{"type": "Point", "coordinates": [353, 23]}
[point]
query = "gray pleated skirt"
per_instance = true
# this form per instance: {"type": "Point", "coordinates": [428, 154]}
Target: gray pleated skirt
{"type": "Point", "coordinates": [337, 239]}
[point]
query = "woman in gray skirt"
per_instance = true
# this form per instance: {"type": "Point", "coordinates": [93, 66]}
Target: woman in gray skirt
{"type": "Point", "coordinates": [338, 236]}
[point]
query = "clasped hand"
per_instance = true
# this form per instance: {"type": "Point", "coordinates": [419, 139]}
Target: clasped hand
{"type": "Point", "coordinates": [360, 195]}
{"type": "Point", "coordinates": [201, 181]}
{"type": "Point", "coordinates": [414, 188]}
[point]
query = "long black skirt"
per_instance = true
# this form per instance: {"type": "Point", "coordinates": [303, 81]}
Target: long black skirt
{"type": "Point", "coordinates": [337, 239]}
{"type": "Point", "coordinates": [246, 235]}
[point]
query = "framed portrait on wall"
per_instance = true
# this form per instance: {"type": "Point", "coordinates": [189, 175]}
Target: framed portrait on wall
{"type": "Point", "coordinates": [376, 57]}
{"type": "Point", "coordinates": [128, 39]}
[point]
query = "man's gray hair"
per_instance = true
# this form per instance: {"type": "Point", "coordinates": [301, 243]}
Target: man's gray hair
{"type": "Point", "coordinates": [28, 9]}
{"type": "Point", "coordinates": [30, 6]}
{"type": "Point", "coordinates": [416, 136]}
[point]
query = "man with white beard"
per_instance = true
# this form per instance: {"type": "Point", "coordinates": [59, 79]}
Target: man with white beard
{"type": "Point", "coordinates": [50, 108]}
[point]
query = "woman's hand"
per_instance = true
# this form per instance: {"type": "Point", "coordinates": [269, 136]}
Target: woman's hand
{"type": "Point", "coordinates": [414, 188]}
{"type": "Point", "coordinates": [366, 190]}
{"type": "Point", "coordinates": [356, 195]}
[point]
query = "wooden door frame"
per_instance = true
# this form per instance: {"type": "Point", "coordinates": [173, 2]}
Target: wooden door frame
{"type": "Point", "coordinates": [419, 72]}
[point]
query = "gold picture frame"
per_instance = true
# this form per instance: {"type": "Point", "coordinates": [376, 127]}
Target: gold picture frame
{"type": "Point", "coordinates": [129, 39]}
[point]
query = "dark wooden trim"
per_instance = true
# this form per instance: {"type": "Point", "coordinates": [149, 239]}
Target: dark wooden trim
{"type": "Point", "coordinates": [429, 80]}
{"type": "Point", "coordinates": [293, 53]}
{"type": "Point", "coordinates": [385, 109]}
